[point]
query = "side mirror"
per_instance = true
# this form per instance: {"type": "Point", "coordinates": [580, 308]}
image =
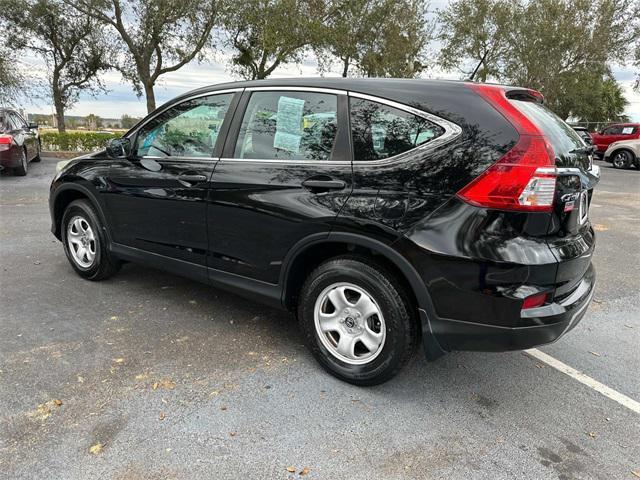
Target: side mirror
{"type": "Point", "coordinates": [32, 126]}
{"type": "Point", "coordinates": [118, 147]}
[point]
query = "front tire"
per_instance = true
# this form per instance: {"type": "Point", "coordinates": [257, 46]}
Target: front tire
{"type": "Point", "coordinates": [357, 320]}
{"type": "Point", "coordinates": [622, 159]}
{"type": "Point", "coordinates": [85, 242]}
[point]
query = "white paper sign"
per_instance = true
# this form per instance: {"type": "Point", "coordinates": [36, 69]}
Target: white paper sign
{"type": "Point", "coordinates": [289, 124]}
{"type": "Point", "coordinates": [627, 130]}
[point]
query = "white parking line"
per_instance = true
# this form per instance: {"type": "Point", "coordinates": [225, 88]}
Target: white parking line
{"type": "Point", "coordinates": [623, 400]}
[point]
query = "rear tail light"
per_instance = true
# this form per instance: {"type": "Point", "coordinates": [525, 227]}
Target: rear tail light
{"type": "Point", "coordinates": [6, 139]}
{"type": "Point", "coordinates": [524, 179]}
{"type": "Point", "coordinates": [533, 301]}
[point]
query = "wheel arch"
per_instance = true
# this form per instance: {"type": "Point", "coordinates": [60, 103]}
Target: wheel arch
{"type": "Point", "coordinates": [319, 247]}
{"type": "Point", "coordinates": [64, 195]}
{"type": "Point", "coordinates": [311, 251]}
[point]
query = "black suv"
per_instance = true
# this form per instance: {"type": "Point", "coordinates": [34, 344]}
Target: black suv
{"type": "Point", "coordinates": [386, 213]}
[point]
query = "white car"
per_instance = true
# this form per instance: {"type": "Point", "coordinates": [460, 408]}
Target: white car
{"type": "Point", "coordinates": [624, 154]}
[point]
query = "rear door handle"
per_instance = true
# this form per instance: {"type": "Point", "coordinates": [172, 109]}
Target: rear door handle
{"type": "Point", "coordinates": [189, 178]}
{"type": "Point", "coordinates": [323, 185]}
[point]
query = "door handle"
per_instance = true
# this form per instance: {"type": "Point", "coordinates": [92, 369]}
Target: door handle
{"type": "Point", "coordinates": [192, 178]}
{"type": "Point", "coordinates": [316, 185]}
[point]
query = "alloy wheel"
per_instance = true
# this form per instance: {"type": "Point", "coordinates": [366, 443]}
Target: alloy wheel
{"type": "Point", "coordinates": [81, 241]}
{"type": "Point", "coordinates": [620, 160]}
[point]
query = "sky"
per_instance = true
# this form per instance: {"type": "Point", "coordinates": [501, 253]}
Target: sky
{"type": "Point", "coordinates": [120, 97]}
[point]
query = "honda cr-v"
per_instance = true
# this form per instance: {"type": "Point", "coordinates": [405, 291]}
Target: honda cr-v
{"type": "Point", "coordinates": [385, 213]}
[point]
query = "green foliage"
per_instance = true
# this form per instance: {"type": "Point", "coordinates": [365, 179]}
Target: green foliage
{"type": "Point", "coordinates": [127, 121]}
{"type": "Point", "coordinates": [92, 121]}
{"type": "Point", "coordinates": [264, 34]}
{"type": "Point", "coordinates": [471, 30]}
{"type": "Point", "coordinates": [360, 35]}
{"type": "Point", "coordinates": [11, 78]}
{"type": "Point", "coordinates": [153, 37]}
{"type": "Point", "coordinates": [563, 49]}
{"type": "Point", "coordinates": [74, 141]}
{"type": "Point", "coordinates": [70, 43]}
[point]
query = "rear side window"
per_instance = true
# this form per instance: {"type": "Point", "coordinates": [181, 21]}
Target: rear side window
{"type": "Point", "coordinates": [380, 131]}
{"type": "Point", "coordinates": [288, 126]}
{"type": "Point", "coordinates": [629, 130]}
{"type": "Point", "coordinates": [562, 137]}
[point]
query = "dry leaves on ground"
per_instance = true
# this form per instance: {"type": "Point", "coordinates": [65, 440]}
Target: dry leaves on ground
{"type": "Point", "coordinates": [43, 411]}
{"type": "Point", "coordinates": [96, 449]}
{"type": "Point", "coordinates": [164, 384]}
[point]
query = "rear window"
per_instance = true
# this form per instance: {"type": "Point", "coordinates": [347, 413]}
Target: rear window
{"type": "Point", "coordinates": [381, 131]}
{"type": "Point", "coordinates": [562, 137]}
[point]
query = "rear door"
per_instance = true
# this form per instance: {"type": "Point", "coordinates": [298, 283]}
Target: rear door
{"type": "Point", "coordinates": [285, 175]}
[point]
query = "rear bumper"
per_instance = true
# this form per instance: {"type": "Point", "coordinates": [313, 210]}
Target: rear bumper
{"type": "Point", "coordinates": [547, 324]}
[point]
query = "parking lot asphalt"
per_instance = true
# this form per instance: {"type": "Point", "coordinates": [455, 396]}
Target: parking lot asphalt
{"type": "Point", "coordinates": [151, 376]}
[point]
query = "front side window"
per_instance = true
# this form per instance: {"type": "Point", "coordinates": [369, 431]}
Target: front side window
{"type": "Point", "coordinates": [189, 129]}
{"type": "Point", "coordinates": [380, 131]}
{"type": "Point", "coordinates": [288, 126]}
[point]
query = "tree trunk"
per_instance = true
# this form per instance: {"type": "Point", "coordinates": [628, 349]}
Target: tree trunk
{"type": "Point", "coordinates": [345, 69]}
{"type": "Point", "coordinates": [57, 101]}
{"type": "Point", "coordinates": [150, 96]}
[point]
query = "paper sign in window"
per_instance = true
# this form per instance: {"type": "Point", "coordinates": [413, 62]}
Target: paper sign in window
{"type": "Point", "coordinates": [627, 130]}
{"type": "Point", "coordinates": [289, 124]}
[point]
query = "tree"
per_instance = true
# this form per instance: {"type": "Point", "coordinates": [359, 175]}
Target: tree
{"type": "Point", "coordinates": [73, 48]}
{"type": "Point", "coordinates": [156, 36]}
{"type": "Point", "coordinates": [92, 122]}
{"type": "Point", "coordinates": [399, 49]}
{"type": "Point", "coordinates": [360, 35]}
{"type": "Point", "coordinates": [265, 34]}
{"type": "Point", "coordinates": [127, 121]}
{"type": "Point", "coordinates": [476, 33]}
{"type": "Point", "coordinates": [11, 77]}
{"type": "Point", "coordinates": [564, 49]}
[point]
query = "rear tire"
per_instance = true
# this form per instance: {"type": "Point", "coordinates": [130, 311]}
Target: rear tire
{"type": "Point", "coordinates": [335, 314]}
{"type": "Point", "coordinates": [21, 170]}
{"type": "Point", "coordinates": [85, 242]}
{"type": "Point", "coordinates": [622, 159]}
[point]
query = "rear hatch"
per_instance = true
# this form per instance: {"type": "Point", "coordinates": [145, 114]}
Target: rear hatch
{"type": "Point", "coordinates": [570, 234]}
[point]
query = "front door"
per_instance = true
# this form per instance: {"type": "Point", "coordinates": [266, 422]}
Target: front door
{"type": "Point", "coordinates": [285, 174]}
{"type": "Point", "coordinates": [157, 197]}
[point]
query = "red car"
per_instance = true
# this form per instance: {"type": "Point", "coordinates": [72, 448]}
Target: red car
{"type": "Point", "coordinates": [615, 133]}
{"type": "Point", "coordinates": [19, 142]}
